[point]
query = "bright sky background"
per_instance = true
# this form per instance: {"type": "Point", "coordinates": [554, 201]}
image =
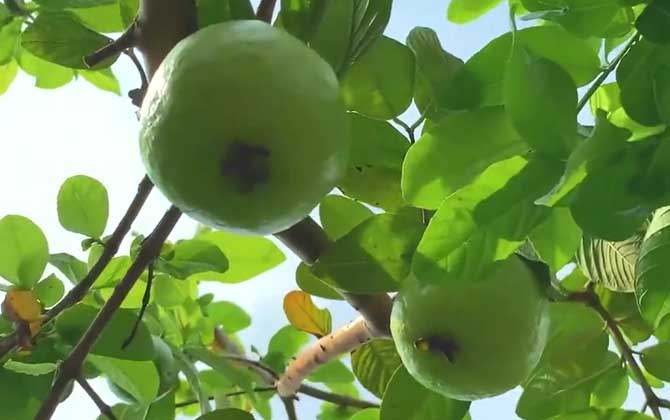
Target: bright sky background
{"type": "Point", "coordinates": [52, 135]}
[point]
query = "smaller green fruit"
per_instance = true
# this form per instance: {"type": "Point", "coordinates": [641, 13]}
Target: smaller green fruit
{"type": "Point", "coordinates": [472, 339]}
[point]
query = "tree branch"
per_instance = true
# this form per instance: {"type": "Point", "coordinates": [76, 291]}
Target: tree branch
{"type": "Point", "coordinates": [341, 400]}
{"type": "Point", "coordinates": [289, 406]}
{"type": "Point", "coordinates": [127, 40]}
{"type": "Point", "coordinates": [104, 408]}
{"type": "Point", "coordinates": [308, 241]}
{"type": "Point", "coordinates": [227, 395]}
{"type": "Point", "coordinates": [70, 368]}
{"type": "Point", "coordinates": [605, 73]}
{"type": "Point", "coordinates": [78, 292]}
{"type": "Point", "coordinates": [266, 10]}
{"type": "Point", "coordinates": [590, 298]}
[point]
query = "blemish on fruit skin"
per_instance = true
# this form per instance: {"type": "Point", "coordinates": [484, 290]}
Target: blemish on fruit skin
{"type": "Point", "coordinates": [246, 165]}
{"type": "Point", "coordinates": [442, 345]}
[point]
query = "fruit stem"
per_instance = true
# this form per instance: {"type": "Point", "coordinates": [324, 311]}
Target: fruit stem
{"type": "Point", "coordinates": [321, 352]}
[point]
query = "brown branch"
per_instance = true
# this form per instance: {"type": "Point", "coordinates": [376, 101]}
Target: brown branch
{"type": "Point", "coordinates": [341, 400]}
{"type": "Point", "coordinates": [104, 408]}
{"type": "Point", "coordinates": [590, 298]}
{"type": "Point", "coordinates": [70, 368]}
{"type": "Point", "coordinates": [289, 406]}
{"type": "Point", "coordinates": [266, 10]}
{"type": "Point", "coordinates": [308, 241]}
{"type": "Point", "coordinates": [78, 292]}
{"type": "Point", "coordinates": [116, 47]}
{"type": "Point", "coordinates": [227, 395]}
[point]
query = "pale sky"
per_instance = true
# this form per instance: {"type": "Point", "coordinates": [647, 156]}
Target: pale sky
{"type": "Point", "coordinates": [52, 135]}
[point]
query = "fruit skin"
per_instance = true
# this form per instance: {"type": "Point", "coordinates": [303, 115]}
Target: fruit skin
{"type": "Point", "coordinates": [243, 128]}
{"type": "Point", "coordinates": [493, 329]}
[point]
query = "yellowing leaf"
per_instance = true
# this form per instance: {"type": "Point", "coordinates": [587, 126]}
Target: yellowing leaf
{"type": "Point", "coordinates": [304, 315]}
{"type": "Point", "coordinates": [22, 306]}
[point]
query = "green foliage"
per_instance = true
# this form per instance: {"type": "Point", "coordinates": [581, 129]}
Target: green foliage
{"type": "Point", "coordinates": [455, 164]}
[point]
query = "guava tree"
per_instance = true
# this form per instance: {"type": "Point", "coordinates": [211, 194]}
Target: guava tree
{"type": "Point", "coordinates": [497, 241]}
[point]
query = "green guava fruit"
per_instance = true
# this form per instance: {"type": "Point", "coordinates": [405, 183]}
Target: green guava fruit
{"type": "Point", "coordinates": [243, 128]}
{"type": "Point", "coordinates": [472, 339]}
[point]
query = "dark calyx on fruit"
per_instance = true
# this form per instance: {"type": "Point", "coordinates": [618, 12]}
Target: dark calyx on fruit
{"type": "Point", "coordinates": [246, 165]}
{"type": "Point", "coordinates": [442, 345]}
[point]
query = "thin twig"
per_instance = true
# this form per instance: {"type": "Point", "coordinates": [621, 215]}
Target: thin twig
{"type": "Point", "coordinates": [605, 73]}
{"type": "Point", "coordinates": [116, 47]}
{"type": "Point", "coordinates": [227, 395]}
{"type": "Point", "coordinates": [104, 408]}
{"type": "Point", "coordinates": [590, 298]}
{"type": "Point", "coordinates": [289, 405]}
{"type": "Point", "coordinates": [71, 366]}
{"type": "Point", "coordinates": [78, 292]}
{"type": "Point", "coordinates": [257, 365]}
{"type": "Point", "coordinates": [137, 95]}
{"type": "Point", "coordinates": [308, 241]}
{"type": "Point", "coordinates": [145, 302]}
{"type": "Point", "coordinates": [266, 10]}
{"type": "Point", "coordinates": [341, 400]}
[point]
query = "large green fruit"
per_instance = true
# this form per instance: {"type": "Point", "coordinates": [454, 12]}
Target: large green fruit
{"type": "Point", "coordinates": [243, 128]}
{"type": "Point", "coordinates": [472, 339]}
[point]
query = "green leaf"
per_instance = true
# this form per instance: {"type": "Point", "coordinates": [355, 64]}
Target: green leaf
{"type": "Point", "coordinates": [163, 408]}
{"type": "Point", "coordinates": [301, 18]}
{"type": "Point", "coordinates": [129, 9]}
{"type": "Point", "coordinates": [102, 79]}
{"type": "Point", "coordinates": [139, 378]}
{"type": "Point", "coordinates": [126, 412]}
{"type": "Point", "coordinates": [309, 283]}
{"type": "Point", "coordinates": [464, 11]}
{"type": "Point", "coordinates": [380, 85]}
{"type": "Point", "coordinates": [374, 364]}
{"type": "Point", "coordinates": [366, 414]}
{"type": "Point", "coordinates": [9, 40]}
{"type": "Point", "coordinates": [603, 143]}
{"type": "Point", "coordinates": [70, 266]}
{"type": "Point", "coordinates": [24, 251]}
{"type": "Point", "coordinates": [425, 404]}
{"type": "Point", "coordinates": [435, 68]}
{"type": "Point", "coordinates": [611, 390]}
{"type": "Point", "coordinates": [600, 414]}
{"type": "Point", "coordinates": [656, 359]}
{"type": "Point", "coordinates": [333, 36]}
{"type": "Point", "coordinates": [484, 221]}
{"type": "Point", "coordinates": [575, 354]}
{"type": "Point", "coordinates": [375, 164]}
{"type": "Point", "coordinates": [227, 414]}
{"type": "Point", "coordinates": [72, 4]}
{"type": "Point", "coordinates": [61, 39]}
{"type": "Point", "coordinates": [332, 372]}
{"type": "Point", "coordinates": [83, 206]}
{"type": "Point", "coordinates": [20, 392]}
{"type": "Point", "coordinates": [454, 152]}
{"type": "Point", "coordinates": [73, 322]}
{"type": "Point", "coordinates": [195, 257]}
{"type": "Point", "coordinates": [248, 256]}
{"type": "Point", "coordinates": [47, 75]}
{"type": "Point", "coordinates": [32, 369]}
{"type": "Point", "coordinates": [557, 239]}
{"type": "Point", "coordinates": [104, 18]}
{"type": "Point", "coordinates": [339, 215]}
{"type": "Point", "coordinates": [283, 345]}
{"type": "Point", "coordinates": [230, 316]}
{"type": "Point", "coordinates": [170, 292]}
{"type": "Point", "coordinates": [374, 257]}
{"type": "Point", "coordinates": [215, 11]}
{"type": "Point", "coordinates": [113, 272]}
{"type": "Point", "coordinates": [635, 75]}
{"type": "Point", "coordinates": [545, 114]}
{"type": "Point", "coordinates": [623, 308]}
{"type": "Point", "coordinates": [49, 291]}
{"type": "Point", "coordinates": [652, 21]}
{"type": "Point", "coordinates": [480, 82]}
{"type": "Point", "coordinates": [610, 263]}
{"type": "Point", "coordinates": [7, 74]}
{"type": "Point", "coordinates": [584, 18]}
